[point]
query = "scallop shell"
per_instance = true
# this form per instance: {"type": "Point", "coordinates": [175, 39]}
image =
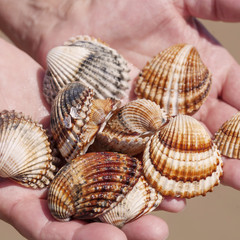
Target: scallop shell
{"type": "Point", "coordinates": [141, 200]}
{"type": "Point", "coordinates": [25, 154]}
{"type": "Point", "coordinates": [129, 129]}
{"type": "Point", "coordinates": [76, 118]}
{"type": "Point", "coordinates": [181, 160]}
{"type": "Point", "coordinates": [91, 185]}
{"type": "Point", "coordinates": [90, 62]}
{"type": "Point", "coordinates": [227, 137]}
{"type": "Point", "coordinates": [176, 79]}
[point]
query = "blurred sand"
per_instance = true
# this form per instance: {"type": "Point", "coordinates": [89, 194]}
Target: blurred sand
{"type": "Point", "coordinates": [215, 216]}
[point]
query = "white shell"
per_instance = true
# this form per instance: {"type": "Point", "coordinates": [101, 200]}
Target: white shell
{"type": "Point", "coordinates": [90, 62]}
{"type": "Point", "coordinates": [25, 153]}
{"type": "Point", "coordinates": [141, 200]}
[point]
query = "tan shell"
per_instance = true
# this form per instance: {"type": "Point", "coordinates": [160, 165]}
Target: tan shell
{"type": "Point", "coordinates": [141, 200]}
{"type": "Point", "coordinates": [25, 154]}
{"type": "Point", "coordinates": [181, 160]}
{"type": "Point", "coordinates": [227, 137]}
{"type": "Point", "coordinates": [176, 79]}
{"type": "Point", "coordinates": [90, 62]}
{"type": "Point", "coordinates": [129, 129]}
{"type": "Point", "coordinates": [92, 184]}
{"type": "Point", "coordinates": [76, 118]}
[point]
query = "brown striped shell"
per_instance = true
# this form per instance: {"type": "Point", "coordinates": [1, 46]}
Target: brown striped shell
{"type": "Point", "coordinates": [92, 184]}
{"type": "Point", "coordinates": [90, 62]}
{"type": "Point", "coordinates": [25, 153]}
{"type": "Point", "coordinates": [130, 127]}
{"type": "Point", "coordinates": [176, 79]}
{"type": "Point", "coordinates": [141, 200]}
{"type": "Point", "coordinates": [227, 138]}
{"type": "Point", "coordinates": [181, 160]}
{"type": "Point", "coordinates": [76, 118]}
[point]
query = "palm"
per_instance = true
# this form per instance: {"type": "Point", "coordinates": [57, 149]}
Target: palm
{"type": "Point", "coordinates": [138, 30]}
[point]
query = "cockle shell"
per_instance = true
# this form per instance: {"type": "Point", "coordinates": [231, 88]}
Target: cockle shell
{"type": "Point", "coordinates": [76, 118]}
{"type": "Point", "coordinates": [90, 62]}
{"type": "Point", "coordinates": [181, 160]}
{"type": "Point", "coordinates": [130, 127]}
{"type": "Point", "coordinates": [227, 138]}
{"type": "Point", "coordinates": [141, 200]}
{"type": "Point", "coordinates": [25, 154]}
{"type": "Point", "coordinates": [176, 79]}
{"type": "Point", "coordinates": [92, 184]}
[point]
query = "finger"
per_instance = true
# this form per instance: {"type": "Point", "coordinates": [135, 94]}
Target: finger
{"type": "Point", "coordinates": [172, 204]}
{"type": "Point", "coordinates": [101, 231]}
{"type": "Point", "coordinates": [21, 83]}
{"type": "Point", "coordinates": [231, 87]}
{"type": "Point", "coordinates": [231, 172]}
{"type": "Point", "coordinates": [214, 112]}
{"type": "Point", "coordinates": [224, 10]}
{"type": "Point", "coordinates": [147, 227]}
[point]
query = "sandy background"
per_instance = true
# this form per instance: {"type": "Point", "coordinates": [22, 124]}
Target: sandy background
{"type": "Point", "coordinates": [216, 216]}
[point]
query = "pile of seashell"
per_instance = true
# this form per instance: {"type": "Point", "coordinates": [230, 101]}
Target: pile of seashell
{"type": "Point", "coordinates": [84, 83]}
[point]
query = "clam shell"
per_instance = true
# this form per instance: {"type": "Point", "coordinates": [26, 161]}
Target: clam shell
{"type": "Point", "coordinates": [25, 153]}
{"type": "Point", "coordinates": [227, 138]}
{"type": "Point", "coordinates": [181, 160]}
{"type": "Point", "coordinates": [141, 200]}
{"type": "Point", "coordinates": [91, 185]}
{"type": "Point", "coordinates": [130, 127]}
{"type": "Point", "coordinates": [76, 118]}
{"type": "Point", "coordinates": [176, 79]}
{"type": "Point", "coordinates": [90, 62]}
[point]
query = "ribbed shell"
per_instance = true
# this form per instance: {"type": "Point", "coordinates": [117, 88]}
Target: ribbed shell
{"type": "Point", "coordinates": [227, 137]}
{"type": "Point", "coordinates": [76, 118]}
{"type": "Point", "coordinates": [129, 129]}
{"type": "Point", "coordinates": [25, 153]}
{"type": "Point", "coordinates": [141, 200]}
{"type": "Point", "coordinates": [176, 79]}
{"type": "Point", "coordinates": [90, 62]}
{"type": "Point", "coordinates": [181, 160]}
{"type": "Point", "coordinates": [91, 185]}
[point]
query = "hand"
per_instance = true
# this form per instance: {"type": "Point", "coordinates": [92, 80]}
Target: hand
{"type": "Point", "coordinates": [138, 30]}
{"type": "Point", "coordinates": [26, 209]}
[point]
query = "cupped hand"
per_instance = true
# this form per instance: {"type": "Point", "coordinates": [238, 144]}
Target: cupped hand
{"type": "Point", "coordinates": [138, 29]}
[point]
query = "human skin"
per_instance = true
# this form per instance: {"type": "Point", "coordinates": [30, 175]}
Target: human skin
{"type": "Point", "coordinates": [138, 29]}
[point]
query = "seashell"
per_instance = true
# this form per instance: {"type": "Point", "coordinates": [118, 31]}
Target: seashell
{"type": "Point", "coordinates": [141, 200]}
{"type": "Point", "coordinates": [130, 127]}
{"type": "Point", "coordinates": [227, 138]}
{"type": "Point", "coordinates": [76, 118]}
{"type": "Point", "coordinates": [91, 185]}
{"type": "Point", "coordinates": [90, 62]}
{"type": "Point", "coordinates": [181, 160]}
{"type": "Point", "coordinates": [25, 153]}
{"type": "Point", "coordinates": [176, 79]}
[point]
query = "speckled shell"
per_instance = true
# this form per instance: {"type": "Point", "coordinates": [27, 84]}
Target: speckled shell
{"type": "Point", "coordinates": [129, 129]}
{"type": "Point", "coordinates": [92, 184]}
{"type": "Point", "coordinates": [25, 154]}
{"type": "Point", "coordinates": [90, 62]}
{"type": "Point", "coordinates": [141, 200]}
{"type": "Point", "coordinates": [181, 160]}
{"type": "Point", "coordinates": [76, 118]}
{"type": "Point", "coordinates": [176, 79]}
{"type": "Point", "coordinates": [227, 138]}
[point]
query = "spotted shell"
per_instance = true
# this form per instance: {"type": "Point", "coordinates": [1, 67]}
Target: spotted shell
{"type": "Point", "coordinates": [141, 200]}
{"type": "Point", "coordinates": [76, 118]}
{"type": "Point", "coordinates": [130, 127]}
{"type": "Point", "coordinates": [181, 160]}
{"type": "Point", "coordinates": [90, 62]}
{"type": "Point", "coordinates": [176, 79]}
{"type": "Point", "coordinates": [25, 153]}
{"type": "Point", "coordinates": [91, 185]}
{"type": "Point", "coordinates": [227, 138]}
